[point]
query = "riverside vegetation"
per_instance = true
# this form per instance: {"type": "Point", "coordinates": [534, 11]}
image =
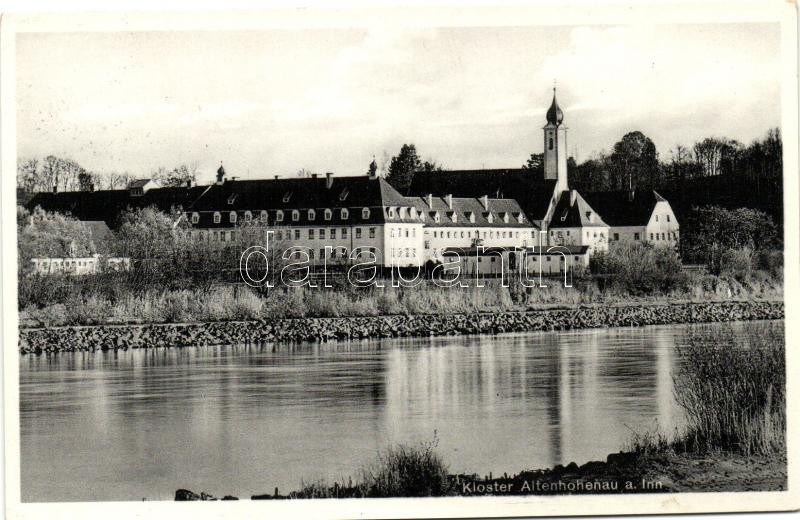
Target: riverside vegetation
{"type": "Point", "coordinates": [731, 390]}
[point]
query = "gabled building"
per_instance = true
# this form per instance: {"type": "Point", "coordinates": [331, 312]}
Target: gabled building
{"type": "Point", "coordinates": [462, 222]}
{"type": "Point", "coordinates": [576, 223]}
{"type": "Point", "coordinates": [639, 216]}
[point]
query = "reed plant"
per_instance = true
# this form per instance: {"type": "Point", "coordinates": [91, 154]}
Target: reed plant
{"type": "Point", "coordinates": [732, 389]}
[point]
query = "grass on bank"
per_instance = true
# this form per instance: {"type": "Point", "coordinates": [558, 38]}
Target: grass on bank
{"type": "Point", "coordinates": [400, 471]}
{"type": "Point", "coordinates": [732, 390]}
{"type": "Point", "coordinates": [55, 301]}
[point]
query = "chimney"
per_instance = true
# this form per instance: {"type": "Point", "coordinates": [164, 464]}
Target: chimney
{"type": "Point", "coordinates": [314, 175]}
{"type": "Point", "coordinates": [449, 199]}
{"type": "Point", "coordinates": [188, 183]}
{"type": "Point", "coordinates": [55, 188]}
{"type": "Point", "coordinates": [631, 193]}
{"type": "Point", "coordinates": [573, 197]}
{"type": "Point", "coordinates": [276, 177]}
{"type": "Point", "coordinates": [329, 179]}
{"type": "Point", "coordinates": [429, 200]}
{"type": "Point", "coordinates": [485, 202]}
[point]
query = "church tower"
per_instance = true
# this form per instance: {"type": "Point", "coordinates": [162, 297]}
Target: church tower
{"type": "Point", "coordinates": [555, 146]}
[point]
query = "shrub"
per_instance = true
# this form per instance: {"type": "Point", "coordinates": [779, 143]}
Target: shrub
{"type": "Point", "coordinates": [732, 389]}
{"type": "Point", "coordinates": [638, 268]}
{"type": "Point", "coordinates": [406, 471]}
{"type": "Point", "coordinates": [737, 263]}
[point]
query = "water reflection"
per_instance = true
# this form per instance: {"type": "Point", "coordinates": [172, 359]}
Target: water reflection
{"type": "Point", "coordinates": [244, 419]}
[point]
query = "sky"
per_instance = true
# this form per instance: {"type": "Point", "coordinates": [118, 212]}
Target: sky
{"type": "Point", "coordinates": [270, 103]}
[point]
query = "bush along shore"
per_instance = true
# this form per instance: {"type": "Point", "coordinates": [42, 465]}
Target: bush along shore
{"type": "Point", "coordinates": [105, 337]}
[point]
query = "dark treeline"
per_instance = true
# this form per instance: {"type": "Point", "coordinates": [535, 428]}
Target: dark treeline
{"type": "Point", "coordinates": [51, 173]}
{"type": "Point", "coordinates": [715, 171]}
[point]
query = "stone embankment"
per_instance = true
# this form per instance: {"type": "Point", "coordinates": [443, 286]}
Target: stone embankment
{"type": "Point", "coordinates": [105, 337]}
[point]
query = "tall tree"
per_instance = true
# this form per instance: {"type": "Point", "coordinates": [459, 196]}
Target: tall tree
{"type": "Point", "coordinates": [178, 176]}
{"type": "Point", "coordinates": [635, 161]}
{"type": "Point", "coordinates": [54, 235]}
{"type": "Point", "coordinates": [535, 162]}
{"type": "Point", "coordinates": [403, 167]}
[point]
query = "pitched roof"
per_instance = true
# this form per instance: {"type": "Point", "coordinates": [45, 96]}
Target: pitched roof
{"type": "Point", "coordinates": [463, 207]}
{"type": "Point", "coordinates": [139, 183]}
{"type": "Point", "coordinates": [573, 211]}
{"type": "Point", "coordinates": [239, 196]}
{"type": "Point", "coordinates": [529, 188]}
{"type": "Point", "coordinates": [106, 205]}
{"type": "Point", "coordinates": [623, 208]}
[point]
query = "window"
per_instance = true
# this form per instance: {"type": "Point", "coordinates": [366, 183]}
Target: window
{"type": "Point", "coordinates": [322, 234]}
{"type": "Point", "coordinates": [311, 254]}
{"type": "Point", "coordinates": [616, 236]}
{"type": "Point", "coordinates": [365, 213]}
{"type": "Point", "coordinates": [264, 216]}
{"type": "Point", "coordinates": [406, 232]}
{"type": "Point", "coordinates": [232, 217]}
{"type": "Point", "coordinates": [195, 218]}
{"type": "Point", "coordinates": [280, 235]}
{"type": "Point", "coordinates": [287, 196]}
{"type": "Point", "coordinates": [328, 214]}
{"type": "Point", "coordinates": [344, 232]}
{"type": "Point", "coordinates": [297, 234]}
{"type": "Point", "coordinates": [358, 232]}
{"type": "Point", "coordinates": [345, 214]}
{"type": "Point", "coordinates": [651, 236]}
{"type": "Point", "coordinates": [550, 146]}
{"type": "Point", "coordinates": [295, 215]}
{"type": "Point", "coordinates": [436, 217]}
{"type": "Point", "coordinates": [248, 216]}
{"type": "Point", "coordinates": [222, 236]}
{"type": "Point", "coordinates": [217, 217]}
{"type": "Point", "coordinates": [279, 216]}
{"type": "Point", "coordinates": [312, 215]}
{"type": "Point", "coordinates": [333, 233]}
{"type": "Point", "coordinates": [321, 253]}
{"type": "Point", "coordinates": [636, 236]}
{"type": "Point", "coordinates": [311, 234]}
{"type": "Point", "coordinates": [391, 212]}
{"type": "Point", "coordinates": [372, 232]}
{"type": "Point", "coordinates": [667, 218]}
{"type": "Point", "coordinates": [232, 199]}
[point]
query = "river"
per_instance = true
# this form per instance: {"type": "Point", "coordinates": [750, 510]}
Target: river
{"type": "Point", "coordinates": [242, 420]}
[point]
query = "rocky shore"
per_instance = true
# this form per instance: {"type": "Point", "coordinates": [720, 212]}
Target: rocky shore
{"type": "Point", "coordinates": [106, 337]}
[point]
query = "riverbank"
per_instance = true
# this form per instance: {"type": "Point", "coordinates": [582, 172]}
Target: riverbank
{"type": "Point", "coordinates": [627, 472]}
{"type": "Point", "coordinates": [106, 337]}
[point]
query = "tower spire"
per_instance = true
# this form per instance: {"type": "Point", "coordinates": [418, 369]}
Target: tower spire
{"type": "Point", "coordinates": [555, 116]}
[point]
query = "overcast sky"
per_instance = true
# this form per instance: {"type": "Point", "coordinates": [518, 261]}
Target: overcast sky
{"type": "Point", "coordinates": [270, 103]}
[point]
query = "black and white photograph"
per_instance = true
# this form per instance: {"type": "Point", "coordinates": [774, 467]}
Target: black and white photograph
{"type": "Point", "coordinates": [482, 258]}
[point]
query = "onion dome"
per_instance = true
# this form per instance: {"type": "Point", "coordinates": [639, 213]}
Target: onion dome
{"type": "Point", "coordinates": [554, 114]}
